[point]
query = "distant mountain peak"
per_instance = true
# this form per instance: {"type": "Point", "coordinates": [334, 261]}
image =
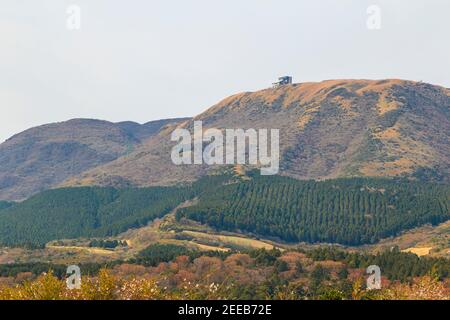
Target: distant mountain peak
{"type": "Point", "coordinates": [42, 157]}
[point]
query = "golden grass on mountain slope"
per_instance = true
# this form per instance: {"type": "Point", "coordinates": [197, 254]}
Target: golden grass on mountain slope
{"type": "Point", "coordinates": [430, 240]}
{"type": "Point", "coordinates": [168, 230]}
{"type": "Point", "coordinates": [380, 86]}
{"type": "Point", "coordinates": [304, 120]}
{"type": "Point", "coordinates": [305, 93]}
{"type": "Point", "coordinates": [231, 240]}
{"type": "Point", "coordinates": [389, 168]}
{"type": "Point", "coordinates": [390, 133]}
{"type": "Point", "coordinates": [328, 129]}
{"type": "Point", "coordinates": [386, 104]}
{"type": "Point", "coordinates": [95, 251]}
{"type": "Point", "coordinates": [419, 251]}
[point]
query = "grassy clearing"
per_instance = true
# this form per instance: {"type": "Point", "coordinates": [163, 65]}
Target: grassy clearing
{"type": "Point", "coordinates": [230, 240]}
{"type": "Point", "coordinates": [99, 251]}
{"type": "Point", "coordinates": [419, 251]}
{"type": "Point", "coordinates": [419, 240]}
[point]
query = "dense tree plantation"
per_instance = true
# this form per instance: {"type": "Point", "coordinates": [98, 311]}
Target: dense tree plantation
{"type": "Point", "coordinates": [91, 211]}
{"type": "Point", "coordinates": [107, 244]}
{"type": "Point", "coordinates": [347, 211]}
{"type": "Point", "coordinates": [5, 204]}
{"type": "Point", "coordinates": [157, 253]}
{"type": "Point", "coordinates": [87, 211]}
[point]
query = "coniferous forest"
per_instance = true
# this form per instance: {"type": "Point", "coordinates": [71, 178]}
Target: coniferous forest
{"type": "Point", "coordinates": [346, 211]}
{"type": "Point", "coordinates": [87, 211]}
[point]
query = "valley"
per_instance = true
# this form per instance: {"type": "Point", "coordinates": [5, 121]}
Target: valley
{"type": "Point", "coordinates": [433, 241]}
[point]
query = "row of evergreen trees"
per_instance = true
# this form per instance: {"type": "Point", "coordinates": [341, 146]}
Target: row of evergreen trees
{"type": "Point", "coordinates": [84, 212]}
{"type": "Point", "coordinates": [107, 244]}
{"type": "Point", "coordinates": [347, 211]}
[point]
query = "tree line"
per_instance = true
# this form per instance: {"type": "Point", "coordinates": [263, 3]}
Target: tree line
{"type": "Point", "coordinates": [347, 211]}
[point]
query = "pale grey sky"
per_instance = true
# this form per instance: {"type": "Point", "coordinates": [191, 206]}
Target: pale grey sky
{"type": "Point", "coordinates": [143, 60]}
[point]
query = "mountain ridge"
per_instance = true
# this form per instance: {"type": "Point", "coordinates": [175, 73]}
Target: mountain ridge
{"type": "Point", "coordinates": [42, 157]}
{"type": "Point", "coordinates": [328, 129]}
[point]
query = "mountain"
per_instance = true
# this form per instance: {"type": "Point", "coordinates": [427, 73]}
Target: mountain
{"type": "Point", "coordinates": [329, 129]}
{"type": "Point", "coordinates": [143, 131]}
{"type": "Point", "coordinates": [44, 156]}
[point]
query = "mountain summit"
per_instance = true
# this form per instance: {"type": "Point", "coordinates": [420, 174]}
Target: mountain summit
{"type": "Point", "coordinates": [329, 129]}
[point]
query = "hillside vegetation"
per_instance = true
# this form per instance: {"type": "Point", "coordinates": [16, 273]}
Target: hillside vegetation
{"type": "Point", "coordinates": [328, 129]}
{"type": "Point", "coordinates": [82, 212]}
{"type": "Point", "coordinates": [347, 211]}
{"type": "Point", "coordinates": [42, 157]}
{"type": "Point", "coordinates": [172, 272]}
{"type": "Point", "coordinates": [5, 204]}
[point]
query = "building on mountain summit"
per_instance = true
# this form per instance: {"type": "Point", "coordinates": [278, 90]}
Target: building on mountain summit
{"type": "Point", "coordinates": [283, 81]}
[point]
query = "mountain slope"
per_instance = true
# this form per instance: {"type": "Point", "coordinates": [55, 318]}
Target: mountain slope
{"type": "Point", "coordinates": [90, 211]}
{"type": "Point", "coordinates": [335, 128]}
{"type": "Point", "coordinates": [347, 211]}
{"type": "Point", "coordinates": [42, 157]}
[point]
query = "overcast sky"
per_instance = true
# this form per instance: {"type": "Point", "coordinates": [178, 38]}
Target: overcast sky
{"type": "Point", "coordinates": [143, 60]}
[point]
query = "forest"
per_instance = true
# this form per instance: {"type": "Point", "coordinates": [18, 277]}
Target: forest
{"type": "Point", "coordinates": [84, 212]}
{"type": "Point", "coordinates": [69, 213]}
{"type": "Point", "coordinates": [350, 211]}
{"type": "Point", "coordinates": [5, 204]}
{"type": "Point", "coordinates": [346, 211]}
